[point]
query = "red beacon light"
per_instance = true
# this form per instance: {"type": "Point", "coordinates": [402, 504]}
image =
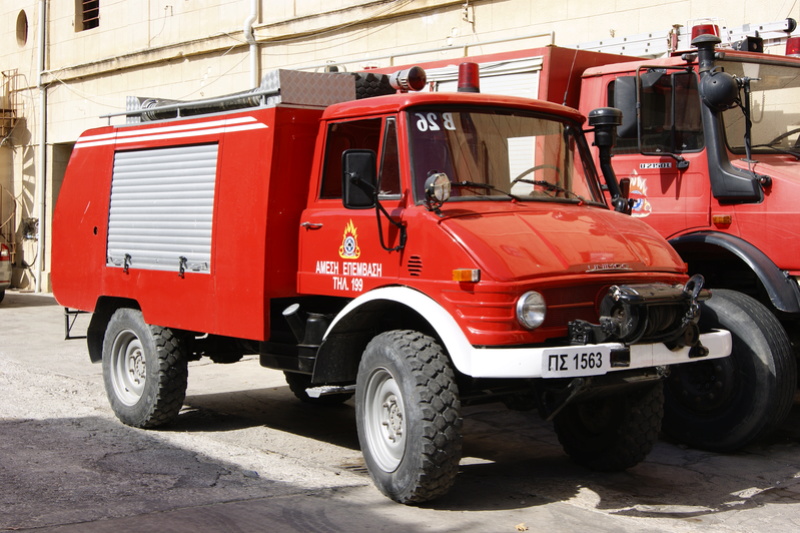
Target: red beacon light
{"type": "Point", "coordinates": [410, 79]}
{"type": "Point", "coordinates": [793, 47]}
{"type": "Point", "coordinates": [469, 78]}
{"type": "Point", "coordinates": [705, 29]}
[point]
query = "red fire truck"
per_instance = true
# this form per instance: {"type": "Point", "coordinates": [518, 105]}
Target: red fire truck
{"type": "Point", "coordinates": [709, 150]}
{"type": "Point", "coordinates": [419, 251]}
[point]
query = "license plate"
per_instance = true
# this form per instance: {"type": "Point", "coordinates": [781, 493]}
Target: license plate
{"type": "Point", "coordinates": [568, 362]}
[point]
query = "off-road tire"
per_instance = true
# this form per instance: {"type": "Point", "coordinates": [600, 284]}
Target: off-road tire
{"type": "Point", "coordinates": [371, 84]}
{"type": "Point", "coordinates": [725, 404]}
{"type": "Point", "coordinates": [298, 383]}
{"type": "Point", "coordinates": [144, 370]}
{"type": "Point", "coordinates": [612, 433]}
{"type": "Point", "coordinates": [408, 416]}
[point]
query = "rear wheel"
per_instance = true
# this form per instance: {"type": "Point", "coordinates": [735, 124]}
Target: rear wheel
{"type": "Point", "coordinates": [612, 433]}
{"type": "Point", "coordinates": [724, 404]}
{"type": "Point", "coordinates": [144, 369]}
{"type": "Point", "coordinates": [408, 416]}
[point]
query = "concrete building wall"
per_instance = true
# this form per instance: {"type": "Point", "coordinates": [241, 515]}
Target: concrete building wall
{"type": "Point", "coordinates": [189, 49]}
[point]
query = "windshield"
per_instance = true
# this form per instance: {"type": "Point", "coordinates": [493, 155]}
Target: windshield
{"type": "Point", "coordinates": [775, 108]}
{"type": "Point", "coordinates": [499, 154]}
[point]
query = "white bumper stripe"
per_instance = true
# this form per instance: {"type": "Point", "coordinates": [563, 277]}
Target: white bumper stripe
{"type": "Point", "coordinates": [514, 362]}
{"type": "Point", "coordinates": [534, 362]}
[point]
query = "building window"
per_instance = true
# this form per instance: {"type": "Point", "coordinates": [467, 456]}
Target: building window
{"type": "Point", "coordinates": [22, 28]}
{"type": "Point", "coordinates": [87, 14]}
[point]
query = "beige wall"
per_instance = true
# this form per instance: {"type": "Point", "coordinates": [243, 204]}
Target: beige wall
{"type": "Point", "coordinates": [188, 49]}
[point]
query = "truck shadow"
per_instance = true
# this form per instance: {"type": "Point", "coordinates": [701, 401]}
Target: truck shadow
{"type": "Point", "coordinates": [274, 408]}
{"type": "Point", "coordinates": [513, 460]}
{"type": "Point", "coordinates": [675, 482]}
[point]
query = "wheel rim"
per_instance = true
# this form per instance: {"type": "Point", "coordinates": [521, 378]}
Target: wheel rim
{"type": "Point", "coordinates": [384, 420]}
{"type": "Point", "coordinates": [706, 386]}
{"type": "Point", "coordinates": [128, 368]}
{"type": "Point", "coordinates": [596, 416]}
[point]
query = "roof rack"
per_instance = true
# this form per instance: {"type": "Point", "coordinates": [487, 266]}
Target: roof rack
{"type": "Point", "coordinates": [316, 89]}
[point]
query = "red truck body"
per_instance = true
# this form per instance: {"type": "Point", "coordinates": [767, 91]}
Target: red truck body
{"type": "Point", "coordinates": [416, 250]}
{"type": "Point", "coordinates": [254, 251]}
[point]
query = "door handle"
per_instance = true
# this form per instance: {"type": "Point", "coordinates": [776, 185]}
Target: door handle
{"type": "Point", "coordinates": [311, 225]}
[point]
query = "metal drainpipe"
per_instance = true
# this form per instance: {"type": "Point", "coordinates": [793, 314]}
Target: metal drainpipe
{"type": "Point", "coordinates": [40, 235]}
{"type": "Point", "coordinates": [250, 38]}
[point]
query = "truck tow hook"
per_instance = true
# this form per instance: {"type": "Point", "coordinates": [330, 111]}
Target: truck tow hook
{"type": "Point", "coordinates": [693, 290]}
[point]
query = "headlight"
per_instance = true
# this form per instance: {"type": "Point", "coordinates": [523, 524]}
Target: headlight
{"type": "Point", "coordinates": [531, 310]}
{"type": "Point", "coordinates": [437, 187]}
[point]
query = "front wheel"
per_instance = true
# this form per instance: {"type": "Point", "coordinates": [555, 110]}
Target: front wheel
{"type": "Point", "coordinates": [144, 370]}
{"type": "Point", "coordinates": [724, 404]}
{"type": "Point", "coordinates": [613, 432]}
{"type": "Point", "coordinates": [408, 416]}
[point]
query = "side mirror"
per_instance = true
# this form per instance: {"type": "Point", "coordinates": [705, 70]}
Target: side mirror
{"type": "Point", "coordinates": [359, 179]}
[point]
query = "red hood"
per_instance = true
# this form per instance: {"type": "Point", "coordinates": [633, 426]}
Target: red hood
{"type": "Point", "coordinates": [518, 241]}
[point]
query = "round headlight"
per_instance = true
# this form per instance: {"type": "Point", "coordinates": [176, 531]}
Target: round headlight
{"type": "Point", "coordinates": [437, 187]}
{"type": "Point", "coordinates": [531, 310]}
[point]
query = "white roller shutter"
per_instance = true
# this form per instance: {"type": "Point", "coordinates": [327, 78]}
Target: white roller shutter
{"type": "Point", "coordinates": [161, 209]}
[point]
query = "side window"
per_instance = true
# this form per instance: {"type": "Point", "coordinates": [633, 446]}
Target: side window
{"type": "Point", "coordinates": [670, 114]}
{"type": "Point", "coordinates": [364, 134]}
{"type": "Point", "coordinates": [390, 162]}
{"type": "Point", "coordinates": [627, 144]}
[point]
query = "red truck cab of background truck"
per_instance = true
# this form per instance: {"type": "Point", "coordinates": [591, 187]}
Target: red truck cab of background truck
{"type": "Point", "coordinates": [730, 210]}
{"type": "Point", "coordinates": [418, 251]}
{"type": "Point", "coordinates": [732, 217]}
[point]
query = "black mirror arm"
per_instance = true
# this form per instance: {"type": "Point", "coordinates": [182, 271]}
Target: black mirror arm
{"type": "Point", "coordinates": [399, 225]}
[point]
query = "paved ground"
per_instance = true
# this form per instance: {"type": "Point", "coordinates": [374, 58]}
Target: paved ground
{"type": "Point", "coordinates": [245, 456]}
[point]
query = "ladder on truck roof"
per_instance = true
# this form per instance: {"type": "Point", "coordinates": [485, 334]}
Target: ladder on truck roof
{"type": "Point", "coordinates": [646, 45]}
{"type": "Point", "coordinates": [660, 43]}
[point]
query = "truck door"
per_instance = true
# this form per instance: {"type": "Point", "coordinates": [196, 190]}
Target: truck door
{"type": "Point", "coordinates": [341, 251]}
{"type": "Point", "coordinates": [662, 153]}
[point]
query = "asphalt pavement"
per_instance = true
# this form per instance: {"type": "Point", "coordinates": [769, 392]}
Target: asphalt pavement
{"type": "Point", "coordinates": [246, 456]}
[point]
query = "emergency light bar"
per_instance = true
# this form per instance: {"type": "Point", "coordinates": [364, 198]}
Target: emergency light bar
{"type": "Point", "coordinates": [469, 78]}
{"type": "Point", "coordinates": [793, 47]}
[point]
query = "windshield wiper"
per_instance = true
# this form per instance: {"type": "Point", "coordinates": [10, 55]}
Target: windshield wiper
{"type": "Point", "coordinates": [794, 153]}
{"type": "Point", "coordinates": [552, 187]}
{"type": "Point", "coordinates": [488, 187]}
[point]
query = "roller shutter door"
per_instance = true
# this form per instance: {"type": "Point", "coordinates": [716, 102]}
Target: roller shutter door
{"type": "Point", "coordinates": [162, 203]}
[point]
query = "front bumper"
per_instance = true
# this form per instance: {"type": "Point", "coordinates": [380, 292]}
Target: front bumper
{"type": "Point", "coordinates": [589, 359]}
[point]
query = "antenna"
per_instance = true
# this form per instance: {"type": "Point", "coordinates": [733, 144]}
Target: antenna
{"type": "Point", "coordinates": [569, 77]}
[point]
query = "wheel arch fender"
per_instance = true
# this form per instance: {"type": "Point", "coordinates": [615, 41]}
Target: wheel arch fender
{"type": "Point", "coordinates": [783, 293]}
{"type": "Point", "coordinates": [381, 310]}
{"type": "Point", "coordinates": [95, 333]}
